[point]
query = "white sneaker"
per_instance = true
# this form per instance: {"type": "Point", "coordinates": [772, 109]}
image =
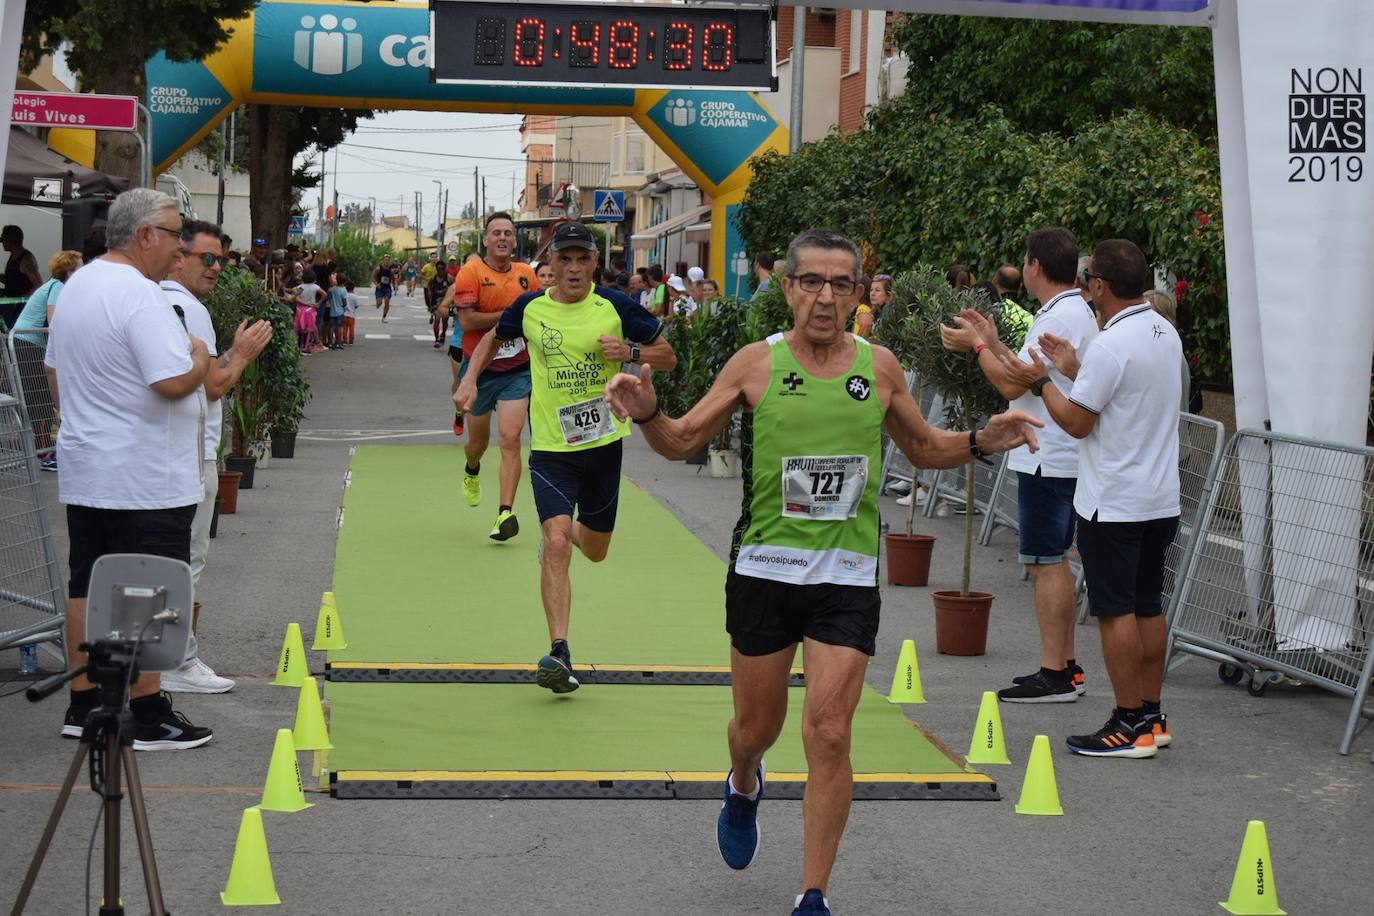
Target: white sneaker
{"type": "Point", "coordinates": [920, 498]}
{"type": "Point", "coordinates": [195, 677]}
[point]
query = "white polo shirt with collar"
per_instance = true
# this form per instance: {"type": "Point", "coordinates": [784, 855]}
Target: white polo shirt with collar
{"type": "Point", "coordinates": [1128, 464]}
{"type": "Point", "coordinates": [1069, 316]}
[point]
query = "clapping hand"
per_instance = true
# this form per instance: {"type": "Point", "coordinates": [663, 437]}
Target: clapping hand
{"type": "Point", "coordinates": [1060, 352]}
{"type": "Point", "coordinates": [1021, 373]}
{"type": "Point", "coordinates": [970, 329]}
{"type": "Point", "coordinates": [631, 396]}
{"type": "Point", "coordinates": [249, 340]}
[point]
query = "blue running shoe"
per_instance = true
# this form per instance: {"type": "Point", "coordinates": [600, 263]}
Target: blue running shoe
{"type": "Point", "coordinates": [737, 828]}
{"type": "Point", "coordinates": [813, 903]}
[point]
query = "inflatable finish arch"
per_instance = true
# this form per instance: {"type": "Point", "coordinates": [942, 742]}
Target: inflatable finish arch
{"type": "Point", "coordinates": [356, 55]}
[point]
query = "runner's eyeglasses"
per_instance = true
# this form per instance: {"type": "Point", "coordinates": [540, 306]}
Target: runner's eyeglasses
{"type": "Point", "coordinates": [814, 283]}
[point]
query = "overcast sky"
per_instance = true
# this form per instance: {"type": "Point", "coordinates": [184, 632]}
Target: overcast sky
{"type": "Point", "coordinates": [393, 155]}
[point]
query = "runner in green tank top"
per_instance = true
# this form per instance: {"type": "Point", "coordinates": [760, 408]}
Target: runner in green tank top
{"type": "Point", "coordinates": [577, 336]}
{"type": "Point", "coordinates": [805, 557]}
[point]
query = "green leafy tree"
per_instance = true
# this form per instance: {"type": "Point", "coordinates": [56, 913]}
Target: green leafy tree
{"type": "Point", "coordinates": [112, 40]}
{"type": "Point", "coordinates": [1057, 76]}
{"type": "Point", "coordinates": [276, 134]}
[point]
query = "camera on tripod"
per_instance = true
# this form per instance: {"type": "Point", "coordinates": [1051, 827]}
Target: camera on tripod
{"type": "Point", "coordinates": [142, 606]}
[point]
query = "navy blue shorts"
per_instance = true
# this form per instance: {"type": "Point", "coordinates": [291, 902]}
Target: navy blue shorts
{"type": "Point", "coordinates": [496, 386]}
{"type": "Point", "coordinates": [588, 480]}
{"type": "Point", "coordinates": [1123, 563]}
{"type": "Point", "coordinates": [1045, 512]}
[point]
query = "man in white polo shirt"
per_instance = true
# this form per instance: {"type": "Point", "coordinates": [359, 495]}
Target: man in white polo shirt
{"type": "Point", "coordinates": [128, 377]}
{"type": "Point", "coordinates": [1123, 407]}
{"type": "Point", "coordinates": [1045, 479]}
{"type": "Point", "coordinates": [192, 277]}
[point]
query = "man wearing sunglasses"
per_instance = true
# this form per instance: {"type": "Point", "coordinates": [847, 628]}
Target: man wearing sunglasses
{"type": "Point", "coordinates": [805, 556]}
{"type": "Point", "coordinates": [193, 276]}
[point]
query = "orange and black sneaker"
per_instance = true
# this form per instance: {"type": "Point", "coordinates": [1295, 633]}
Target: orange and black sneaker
{"type": "Point", "coordinates": [1159, 726]}
{"type": "Point", "coordinates": [457, 424]}
{"type": "Point", "coordinates": [1080, 683]}
{"type": "Point", "coordinates": [1118, 738]}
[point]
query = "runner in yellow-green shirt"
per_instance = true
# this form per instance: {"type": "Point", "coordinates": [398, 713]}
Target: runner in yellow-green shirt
{"type": "Point", "coordinates": [577, 336]}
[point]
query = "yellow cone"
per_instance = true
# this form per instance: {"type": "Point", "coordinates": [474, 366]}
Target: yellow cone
{"type": "Point", "coordinates": [906, 682]}
{"type": "Point", "coordinates": [291, 669]}
{"type": "Point", "coordinates": [250, 874]}
{"type": "Point", "coordinates": [328, 629]}
{"type": "Point", "coordinates": [1039, 792]}
{"type": "Point", "coordinates": [283, 790]}
{"type": "Point", "coordinates": [327, 598]}
{"type": "Point", "coordinates": [310, 733]}
{"type": "Point", "coordinates": [988, 745]}
{"type": "Point", "coordinates": [1252, 889]}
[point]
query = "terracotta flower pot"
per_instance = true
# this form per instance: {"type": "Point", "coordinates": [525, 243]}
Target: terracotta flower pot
{"type": "Point", "coordinates": [961, 624]}
{"type": "Point", "coordinates": [908, 558]}
{"type": "Point", "coordinates": [229, 492]}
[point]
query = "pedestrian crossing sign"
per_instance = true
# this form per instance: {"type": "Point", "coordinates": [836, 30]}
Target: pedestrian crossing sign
{"type": "Point", "coordinates": [608, 206]}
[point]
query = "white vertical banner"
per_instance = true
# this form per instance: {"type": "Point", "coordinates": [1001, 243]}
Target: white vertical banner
{"type": "Point", "coordinates": [1304, 68]}
{"type": "Point", "coordinates": [11, 28]}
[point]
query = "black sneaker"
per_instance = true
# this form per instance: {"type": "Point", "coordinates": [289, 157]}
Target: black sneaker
{"type": "Point", "coordinates": [1080, 684]}
{"type": "Point", "coordinates": [555, 672]}
{"type": "Point", "coordinates": [1040, 688]}
{"type": "Point", "coordinates": [75, 721]}
{"type": "Point", "coordinates": [170, 731]}
{"type": "Point", "coordinates": [1118, 738]}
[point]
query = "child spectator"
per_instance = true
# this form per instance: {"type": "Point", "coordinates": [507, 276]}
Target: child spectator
{"type": "Point", "coordinates": [308, 297]}
{"type": "Point", "coordinates": [350, 311]}
{"type": "Point", "coordinates": [337, 296]}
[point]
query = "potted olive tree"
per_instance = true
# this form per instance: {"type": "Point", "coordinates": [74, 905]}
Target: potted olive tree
{"type": "Point", "coordinates": [961, 617]}
{"type": "Point", "coordinates": [908, 552]}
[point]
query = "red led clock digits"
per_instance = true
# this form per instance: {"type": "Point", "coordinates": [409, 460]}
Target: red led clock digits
{"type": "Point", "coordinates": [718, 45]}
{"type": "Point", "coordinates": [623, 53]}
{"type": "Point", "coordinates": [529, 42]}
{"type": "Point", "coordinates": [677, 46]}
{"type": "Point", "coordinates": [585, 38]}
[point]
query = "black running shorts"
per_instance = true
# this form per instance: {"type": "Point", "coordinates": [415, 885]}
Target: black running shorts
{"type": "Point", "coordinates": [1123, 563]}
{"type": "Point", "coordinates": [764, 616]}
{"type": "Point", "coordinates": [92, 533]}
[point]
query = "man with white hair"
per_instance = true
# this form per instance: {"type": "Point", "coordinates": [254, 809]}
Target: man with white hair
{"type": "Point", "coordinates": [129, 379]}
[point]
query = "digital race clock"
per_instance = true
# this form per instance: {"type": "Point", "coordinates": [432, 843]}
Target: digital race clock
{"type": "Point", "coordinates": [603, 44]}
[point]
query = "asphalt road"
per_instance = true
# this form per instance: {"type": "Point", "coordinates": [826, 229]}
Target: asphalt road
{"type": "Point", "coordinates": [1151, 837]}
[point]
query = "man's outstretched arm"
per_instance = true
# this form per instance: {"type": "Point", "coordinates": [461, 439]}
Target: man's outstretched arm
{"type": "Point", "coordinates": [681, 437]}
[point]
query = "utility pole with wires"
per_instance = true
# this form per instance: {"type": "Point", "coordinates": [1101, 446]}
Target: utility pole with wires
{"type": "Point", "coordinates": [319, 224]}
{"type": "Point", "coordinates": [476, 199]}
{"type": "Point", "coordinates": [443, 224]}
{"type": "Point", "coordinates": [418, 199]}
{"type": "Point", "coordinates": [334, 223]}
{"type": "Point", "coordinates": [484, 198]}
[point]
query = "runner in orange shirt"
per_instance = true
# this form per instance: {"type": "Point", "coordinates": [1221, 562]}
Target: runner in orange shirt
{"type": "Point", "coordinates": [481, 292]}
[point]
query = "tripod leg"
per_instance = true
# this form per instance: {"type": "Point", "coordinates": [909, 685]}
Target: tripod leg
{"type": "Point", "coordinates": [145, 838]}
{"type": "Point", "coordinates": [58, 806]}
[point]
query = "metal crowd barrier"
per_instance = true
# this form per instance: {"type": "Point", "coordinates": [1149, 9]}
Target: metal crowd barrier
{"type": "Point", "coordinates": [896, 469]}
{"type": "Point", "coordinates": [1200, 442]}
{"type": "Point", "coordinates": [1004, 511]}
{"type": "Point", "coordinates": [1279, 578]}
{"type": "Point", "coordinates": [32, 602]}
{"type": "Point", "coordinates": [25, 380]}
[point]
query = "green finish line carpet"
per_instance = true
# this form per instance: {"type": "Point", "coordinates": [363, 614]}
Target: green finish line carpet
{"type": "Point", "coordinates": [421, 589]}
{"type": "Point", "coordinates": [502, 740]}
{"type": "Point", "coordinates": [417, 580]}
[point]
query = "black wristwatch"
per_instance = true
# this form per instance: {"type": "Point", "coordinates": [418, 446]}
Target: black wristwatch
{"type": "Point", "coordinates": [634, 353]}
{"type": "Point", "coordinates": [1037, 387]}
{"type": "Point", "coordinates": [973, 448]}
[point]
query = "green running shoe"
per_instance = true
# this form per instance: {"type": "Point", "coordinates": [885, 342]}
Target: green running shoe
{"type": "Point", "coordinates": [472, 489]}
{"type": "Point", "coordinates": [506, 526]}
